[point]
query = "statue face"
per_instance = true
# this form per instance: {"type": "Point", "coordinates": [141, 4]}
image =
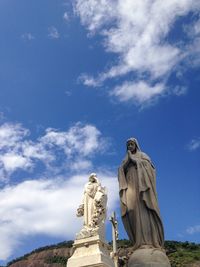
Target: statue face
{"type": "Point", "coordinates": [131, 146]}
{"type": "Point", "coordinates": [92, 179]}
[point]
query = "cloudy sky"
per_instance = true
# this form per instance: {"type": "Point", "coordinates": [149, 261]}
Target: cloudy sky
{"type": "Point", "coordinates": [77, 79]}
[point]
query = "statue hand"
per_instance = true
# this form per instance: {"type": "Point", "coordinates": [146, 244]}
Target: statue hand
{"type": "Point", "coordinates": [131, 157]}
{"type": "Point", "coordinates": [80, 211]}
{"type": "Point", "coordinates": [129, 154]}
{"type": "Point", "coordinates": [125, 161]}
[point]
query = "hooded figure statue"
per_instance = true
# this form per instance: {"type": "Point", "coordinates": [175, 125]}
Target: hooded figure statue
{"type": "Point", "coordinates": [138, 198]}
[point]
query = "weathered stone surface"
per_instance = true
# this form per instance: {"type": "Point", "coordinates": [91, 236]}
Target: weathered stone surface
{"type": "Point", "coordinates": [138, 198]}
{"type": "Point", "coordinates": [139, 208]}
{"type": "Point", "coordinates": [90, 252]}
{"type": "Point", "coordinates": [148, 257]}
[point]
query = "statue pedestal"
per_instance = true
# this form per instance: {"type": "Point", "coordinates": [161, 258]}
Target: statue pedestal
{"type": "Point", "coordinates": [148, 257]}
{"type": "Point", "coordinates": [90, 251]}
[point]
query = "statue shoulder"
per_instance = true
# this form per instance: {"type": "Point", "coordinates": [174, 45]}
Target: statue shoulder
{"type": "Point", "coordinates": [144, 156]}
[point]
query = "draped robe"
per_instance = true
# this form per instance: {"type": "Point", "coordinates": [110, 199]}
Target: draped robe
{"type": "Point", "coordinates": [139, 205]}
{"type": "Point", "coordinates": [88, 201]}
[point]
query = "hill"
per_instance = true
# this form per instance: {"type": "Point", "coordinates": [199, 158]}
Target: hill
{"type": "Point", "coordinates": [181, 254]}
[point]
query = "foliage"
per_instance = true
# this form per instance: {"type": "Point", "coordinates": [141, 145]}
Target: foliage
{"type": "Point", "coordinates": [124, 243]}
{"type": "Point", "coordinates": [57, 259]}
{"type": "Point", "coordinates": [182, 253]}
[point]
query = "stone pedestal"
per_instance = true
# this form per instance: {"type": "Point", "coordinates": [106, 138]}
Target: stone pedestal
{"type": "Point", "coordinates": [148, 257]}
{"type": "Point", "coordinates": [90, 252]}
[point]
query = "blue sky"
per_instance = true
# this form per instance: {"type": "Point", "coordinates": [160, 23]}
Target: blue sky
{"type": "Point", "coordinates": [77, 79]}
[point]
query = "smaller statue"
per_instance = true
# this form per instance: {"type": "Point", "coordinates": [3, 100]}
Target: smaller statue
{"type": "Point", "coordinates": [92, 208]}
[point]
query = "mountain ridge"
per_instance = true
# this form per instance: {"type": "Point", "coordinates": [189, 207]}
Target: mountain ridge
{"type": "Point", "coordinates": [181, 254]}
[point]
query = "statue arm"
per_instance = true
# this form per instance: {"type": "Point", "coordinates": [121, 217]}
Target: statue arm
{"type": "Point", "coordinates": [125, 162]}
{"type": "Point", "coordinates": [80, 210]}
{"type": "Point", "coordinates": [146, 160]}
{"type": "Point", "coordinates": [131, 158]}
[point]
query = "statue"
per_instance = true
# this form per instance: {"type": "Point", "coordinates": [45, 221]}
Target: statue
{"type": "Point", "coordinates": [138, 197]}
{"type": "Point", "coordinates": [90, 247]}
{"type": "Point", "coordinates": [93, 208]}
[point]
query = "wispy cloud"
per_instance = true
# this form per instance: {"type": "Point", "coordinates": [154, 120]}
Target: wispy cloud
{"type": "Point", "coordinates": [27, 36]}
{"type": "Point", "coordinates": [139, 92]}
{"type": "Point", "coordinates": [53, 33]}
{"type": "Point", "coordinates": [68, 93]}
{"type": "Point", "coordinates": [194, 144]}
{"type": "Point", "coordinates": [137, 31]}
{"type": "Point", "coordinates": [42, 207]}
{"type": "Point", "coordinates": [193, 229]}
{"type": "Point", "coordinates": [75, 147]}
{"type": "Point", "coordinates": [2, 116]}
{"type": "Point", "coordinates": [180, 90]}
{"type": "Point", "coordinates": [66, 17]}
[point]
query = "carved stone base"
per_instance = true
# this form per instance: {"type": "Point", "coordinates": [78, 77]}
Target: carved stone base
{"type": "Point", "coordinates": [90, 252]}
{"type": "Point", "coordinates": [148, 257]}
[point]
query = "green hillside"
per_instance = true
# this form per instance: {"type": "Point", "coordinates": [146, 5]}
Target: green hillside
{"type": "Point", "coordinates": [181, 254]}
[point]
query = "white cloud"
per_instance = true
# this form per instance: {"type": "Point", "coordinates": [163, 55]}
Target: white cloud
{"type": "Point", "coordinates": [197, 27]}
{"type": "Point", "coordinates": [137, 31]}
{"type": "Point", "coordinates": [95, 13]}
{"type": "Point", "coordinates": [193, 229]}
{"type": "Point", "coordinates": [81, 164]}
{"type": "Point", "coordinates": [139, 92]}
{"type": "Point", "coordinates": [75, 147]}
{"type": "Point", "coordinates": [68, 93]}
{"type": "Point", "coordinates": [90, 81]}
{"type": "Point", "coordinates": [194, 144]}
{"type": "Point", "coordinates": [43, 207]}
{"type": "Point", "coordinates": [13, 161]}
{"type": "Point", "coordinates": [53, 33]}
{"type": "Point", "coordinates": [193, 29]}
{"type": "Point", "coordinates": [27, 36]}
{"type": "Point", "coordinates": [66, 17]}
{"type": "Point", "coordinates": [82, 139]}
{"type": "Point", "coordinates": [11, 134]}
{"type": "Point", "coordinates": [2, 116]}
{"type": "Point", "coordinates": [180, 90]}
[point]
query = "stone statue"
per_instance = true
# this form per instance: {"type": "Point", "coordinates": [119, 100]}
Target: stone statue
{"type": "Point", "coordinates": [90, 247]}
{"type": "Point", "coordinates": [139, 205]}
{"type": "Point", "coordinates": [93, 207]}
{"type": "Point", "coordinates": [139, 208]}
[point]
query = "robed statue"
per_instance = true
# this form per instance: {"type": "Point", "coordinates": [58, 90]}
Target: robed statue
{"type": "Point", "coordinates": [90, 247]}
{"type": "Point", "coordinates": [93, 208]}
{"type": "Point", "coordinates": [138, 198]}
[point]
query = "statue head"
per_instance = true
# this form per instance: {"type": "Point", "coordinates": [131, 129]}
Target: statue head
{"type": "Point", "coordinates": [93, 178]}
{"type": "Point", "coordinates": [132, 145]}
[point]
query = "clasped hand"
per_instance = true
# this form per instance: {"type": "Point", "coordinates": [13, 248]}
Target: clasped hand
{"type": "Point", "coordinates": [131, 157]}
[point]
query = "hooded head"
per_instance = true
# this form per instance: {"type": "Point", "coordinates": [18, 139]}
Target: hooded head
{"type": "Point", "coordinates": [93, 178]}
{"type": "Point", "coordinates": [132, 144]}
